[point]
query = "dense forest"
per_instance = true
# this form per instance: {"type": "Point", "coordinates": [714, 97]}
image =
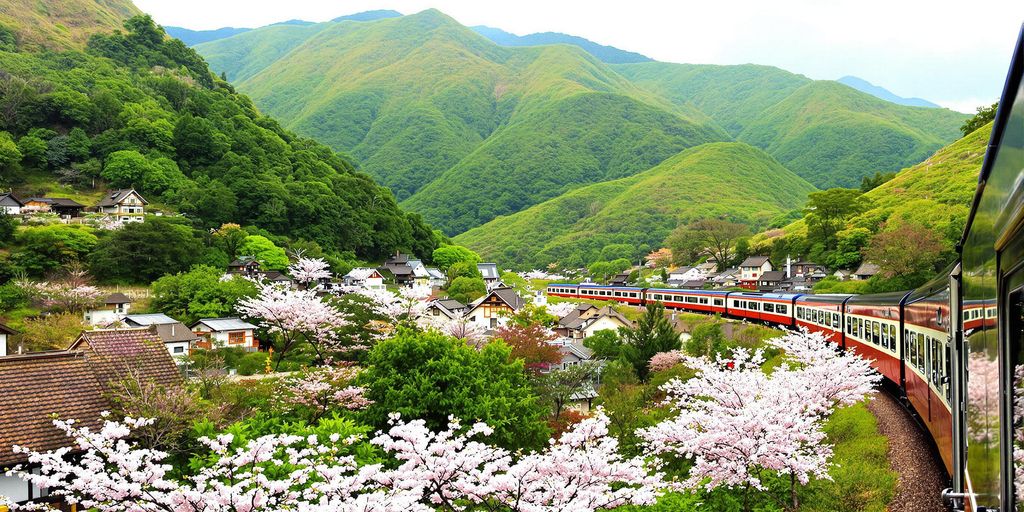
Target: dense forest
{"type": "Point", "coordinates": [138, 109]}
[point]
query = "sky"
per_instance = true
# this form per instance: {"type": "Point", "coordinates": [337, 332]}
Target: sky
{"type": "Point", "coordinates": [954, 53]}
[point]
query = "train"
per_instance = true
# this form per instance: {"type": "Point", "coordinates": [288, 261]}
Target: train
{"type": "Point", "coordinates": [953, 348]}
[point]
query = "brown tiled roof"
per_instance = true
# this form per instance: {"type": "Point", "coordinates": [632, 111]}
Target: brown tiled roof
{"type": "Point", "coordinates": [35, 387]}
{"type": "Point", "coordinates": [116, 351]}
{"type": "Point", "coordinates": [117, 298]}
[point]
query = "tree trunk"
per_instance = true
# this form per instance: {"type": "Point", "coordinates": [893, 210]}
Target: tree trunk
{"type": "Point", "coordinates": [792, 492]}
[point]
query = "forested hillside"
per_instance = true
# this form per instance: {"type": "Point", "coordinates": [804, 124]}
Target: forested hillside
{"type": "Point", "coordinates": [460, 128]}
{"type": "Point", "coordinates": [140, 110]}
{"type": "Point", "coordinates": [730, 180]}
{"type": "Point", "coordinates": [61, 24]}
{"type": "Point", "coordinates": [829, 133]}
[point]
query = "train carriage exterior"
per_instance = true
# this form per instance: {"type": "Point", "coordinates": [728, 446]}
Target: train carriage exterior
{"type": "Point", "coordinates": [703, 301]}
{"type": "Point", "coordinates": [954, 347]}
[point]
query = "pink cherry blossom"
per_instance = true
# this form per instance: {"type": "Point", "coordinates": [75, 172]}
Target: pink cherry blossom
{"type": "Point", "coordinates": [309, 271]}
{"type": "Point", "coordinates": [323, 388]}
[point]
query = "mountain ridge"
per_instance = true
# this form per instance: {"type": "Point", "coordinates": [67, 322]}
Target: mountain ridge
{"type": "Point", "coordinates": [882, 93]}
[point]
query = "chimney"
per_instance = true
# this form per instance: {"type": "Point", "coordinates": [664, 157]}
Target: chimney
{"type": "Point", "coordinates": [789, 268]}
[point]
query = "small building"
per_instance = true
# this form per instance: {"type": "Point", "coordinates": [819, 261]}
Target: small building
{"type": "Point", "coordinates": [683, 274]}
{"type": "Point", "coordinates": [751, 270]}
{"type": "Point", "coordinates": [436, 278]}
{"type": "Point", "coordinates": [66, 208]}
{"type": "Point", "coordinates": [244, 265]}
{"type": "Point", "coordinates": [865, 271]}
{"type": "Point", "coordinates": [597, 319]}
{"type": "Point", "coordinates": [728, 278]}
{"type": "Point", "coordinates": [842, 275]}
{"type": "Point", "coordinates": [177, 337]}
{"type": "Point", "coordinates": [806, 268]}
{"type": "Point", "coordinates": [621, 279]}
{"type": "Point", "coordinates": [114, 309]}
{"type": "Point", "coordinates": [275, 277]}
{"type": "Point", "coordinates": [771, 280]}
{"type": "Point", "coordinates": [449, 308]}
{"type": "Point", "coordinates": [707, 268]}
{"type": "Point", "coordinates": [693, 284]}
{"type": "Point", "coordinates": [4, 333]}
{"type": "Point", "coordinates": [148, 319]}
{"type": "Point", "coordinates": [490, 273]}
{"type": "Point", "coordinates": [398, 266]}
{"type": "Point", "coordinates": [364, 277]}
{"type": "Point", "coordinates": [125, 205]}
{"type": "Point", "coordinates": [493, 310]}
{"type": "Point", "coordinates": [10, 204]}
{"type": "Point", "coordinates": [227, 332]}
{"type": "Point", "coordinates": [420, 275]}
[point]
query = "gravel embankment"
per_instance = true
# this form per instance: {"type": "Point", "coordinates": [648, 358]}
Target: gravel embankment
{"type": "Point", "coordinates": [921, 476]}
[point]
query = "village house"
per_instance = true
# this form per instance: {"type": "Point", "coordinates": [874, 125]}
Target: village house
{"type": "Point", "coordinates": [147, 319]}
{"type": "Point", "coordinates": [806, 269]}
{"type": "Point", "coordinates": [10, 204]}
{"type": "Point", "coordinates": [574, 353]}
{"type": "Point", "coordinates": [70, 384]}
{"type": "Point", "coordinates": [398, 266]}
{"type": "Point", "coordinates": [436, 278]}
{"type": "Point", "coordinates": [115, 308]}
{"type": "Point", "coordinates": [728, 278]}
{"type": "Point", "coordinates": [244, 265]}
{"type": "Point", "coordinates": [62, 206]}
{"type": "Point", "coordinates": [865, 271]}
{"type": "Point", "coordinates": [842, 275]}
{"type": "Point", "coordinates": [177, 337]}
{"type": "Point", "coordinates": [364, 277]}
{"type": "Point", "coordinates": [771, 280]}
{"type": "Point", "coordinates": [490, 273]}
{"type": "Point", "coordinates": [681, 275]}
{"type": "Point", "coordinates": [226, 332]}
{"type": "Point", "coordinates": [125, 205]}
{"type": "Point", "coordinates": [420, 275]}
{"type": "Point", "coordinates": [584, 322]}
{"type": "Point", "coordinates": [707, 268]}
{"type": "Point", "coordinates": [621, 279]}
{"type": "Point", "coordinates": [751, 270]}
{"type": "Point", "coordinates": [449, 308]}
{"type": "Point", "coordinates": [493, 310]}
{"type": "Point", "coordinates": [4, 333]}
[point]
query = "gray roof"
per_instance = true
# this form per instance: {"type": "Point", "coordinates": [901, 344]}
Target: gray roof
{"type": "Point", "coordinates": [9, 199]}
{"type": "Point", "coordinates": [694, 283]}
{"type": "Point", "coordinates": [680, 270]}
{"type": "Point", "coordinates": [57, 201]}
{"type": "Point", "coordinates": [489, 270]}
{"type": "Point", "coordinates": [149, 319]}
{"type": "Point", "coordinates": [225, 324]}
{"type": "Point", "coordinates": [116, 196]}
{"type": "Point", "coordinates": [117, 298]}
{"type": "Point", "coordinates": [507, 295]}
{"type": "Point", "coordinates": [866, 269]}
{"type": "Point", "coordinates": [754, 261]}
{"type": "Point", "coordinates": [435, 273]}
{"type": "Point", "coordinates": [174, 333]}
{"type": "Point", "coordinates": [398, 259]}
{"type": "Point", "coordinates": [774, 275]}
{"type": "Point", "coordinates": [451, 304]}
{"type": "Point", "coordinates": [576, 349]}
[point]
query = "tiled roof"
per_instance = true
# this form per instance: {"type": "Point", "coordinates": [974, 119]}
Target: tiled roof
{"type": "Point", "coordinates": [35, 387]}
{"type": "Point", "coordinates": [116, 196]}
{"type": "Point", "coordinates": [754, 261]}
{"type": "Point", "coordinates": [451, 304]}
{"type": "Point", "coordinates": [8, 199]}
{"type": "Point", "coordinates": [174, 333]}
{"type": "Point", "coordinates": [113, 352]}
{"type": "Point", "coordinates": [57, 201]}
{"type": "Point", "coordinates": [225, 324]}
{"type": "Point", "coordinates": [117, 298]}
{"type": "Point", "coordinates": [774, 275]}
{"type": "Point", "coordinates": [866, 269]}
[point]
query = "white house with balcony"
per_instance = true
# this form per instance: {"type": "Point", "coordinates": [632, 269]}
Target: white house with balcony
{"type": "Point", "coordinates": [124, 205]}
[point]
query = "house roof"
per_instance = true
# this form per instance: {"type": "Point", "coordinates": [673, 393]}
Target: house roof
{"type": "Point", "coordinates": [114, 352]}
{"type": "Point", "coordinates": [8, 199]}
{"type": "Point", "coordinates": [680, 270]}
{"type": "Point", "coordinates": [7, 330]}
{"type": "Point", "coordinates": [174, 333]}
{"type": "Point", "coordinates": [435, 273]}
{"type": "Point", "coordinates": [488, 270]}
{"type": "Point", "coordinates": [148, 319]}
{"type": "Point", "coordinates": [57, 201]}
{"type": "Point", "coordinates": [506, 295]}
{"type": "Point", "coordinates": [38, 386]}
{"type": "Point", "coordinates": [273, 275]}
{"type": "Point", "coordinates": [243, 261]}
{"type": "Point", "coordinates": [451, 304]}
{"type": "Point", "coordinates": [610, 312]}
{"type": "Point", "coordinates": [116, 196]}
{"type": "Point", "coordinates": [361, 273]}
{"type": "Point", "coordinates": [225, 324]}
{"type": "Point", "coordinates": [774, 275]}
{"type": "Point", "coordinates": [866, 269]}
{"type": "Point", "coordinates": [117, 298]}
{"type": "Point", "coordinates": [398, 269]}
{"type": "Point", "coordinates": [694, 283]}
{"type": "Point", "coordinates": [397, 259]}
{"type": "Point", "coordinates": [576, 349]}
{"type": "Point", "coordinates": [754, 261]}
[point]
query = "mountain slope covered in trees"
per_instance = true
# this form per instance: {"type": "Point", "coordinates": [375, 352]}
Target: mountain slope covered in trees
{"type": "Point", "coordinates": [460, 128]}
{"type": "Point", "coordinates": [140, 110]}
{"type": "Point", "coordinates": [609, 54]}
{"type": "Point", "coordinates": [728, 180]}
{"type": "Point", "coordinates": [62, 24]}
{"type": "Point", "coordinates": [829, 133]}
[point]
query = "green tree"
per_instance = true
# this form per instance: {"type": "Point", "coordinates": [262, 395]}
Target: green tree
{"type": "Point", "coordinates": [706, 339]}
{"type": "Point", "coordinates": [605, 344]}
{"type": "Point", "coordinates": [432, 376]}
{"type": "Point", "coordinates": [467, 289]}
{"type": "Point", "coordinates": [46, 248]}
{"type": "Point", "coordinates": [33, 151]}
{"type": "Point", "coordinates": [868, 183]}
{"type": "Point", "coordinates": [617, 251]}
{"type": "Point", "coordinates": [270, 256]}
{"type": "Point", "coordinates": [7, 227]}
{"type": "Point", "coordinates": [143, 252]}
{"type": "Point", "coordinates": [10, 155]}
{"type": "Point", "coordinates": [827, 211]}
{"type": "Point", "coordinates": [904, 250]}
{"type": "Point", "coordinates": [199, 293]}
{"type": "Point", "coordinates": [652, 334]}
{"type": "Point", "coordinates": [463, 269]}
{"type": "Point", "coordinates": [448, 255]}
{"type": "Point", "coordinates": [850, 244]}
{"type": "Point", "coordinates": [125, 169]}
{"type": "Point", "coordinates": [984, 116]}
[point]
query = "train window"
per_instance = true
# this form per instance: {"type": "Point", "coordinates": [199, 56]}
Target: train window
{"type": "Point", "coordinates": [735, 303]}
{"type": "Point", "coordinates": [800, 312]}
{"type": "Point", "coordinates": [849, 325]}
{"type": "Point", "coordinates": [913, 348]}
{"type": "Point", "coordinates": [835, 321]}
{"type": "Point", "coordinates": [719, 302]}
{"type": "Point", "coordinates": [703, 300]}
{"type": "Point", "coordinates": [875, 337]}
{"type": "Point", "coordinates": [769, 308]}
{"type": "Point", "coordinates": [920, 353]}
{"type": "Point", "coordinates": [781, 309]}
{"type": "Point", "coordinates": [860, 329]}
{"type": "Point", "coordinates": [935, 362]}
{"type": "Point", "coordinates": [885, 337]}
{"type": "Point", "coordinates": [892, 338]}
{"type": "Point", "coordinates": [691, 300]}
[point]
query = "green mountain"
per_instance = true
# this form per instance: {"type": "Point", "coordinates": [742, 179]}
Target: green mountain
{"type": "Point", "coordinates": [829, 133]}
{"type": "Point", "coordinates": [141, 110]}
{"type": "Point", "coordinates": [460, 128]}
{"type": "Point", "coordinates": [881, 92]}
{"type": "Point", "coordinates": [609, 54]}
{"type": "Point", "coordinates": [193, 37]}
{"type": "Point", "coordinates": [62, 24]}
{"type": "Point", "coordinates": [719, 180]}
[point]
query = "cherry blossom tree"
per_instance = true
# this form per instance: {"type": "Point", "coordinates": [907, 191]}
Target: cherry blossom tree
{"type": "Point", "coordinates": [449, 470]}
{"type": "Point", "coordinates": [560, 309]}
{"type": "Point", "coordinates": [408, 305]}
{"type": "Point", "coordinates": [321, 389]}
{"type": "Point", "coordinates": [739, 424]}
{"type": "Point", "coordinates": [296, 316]}
{"type": "Point", "coordinates": [73, 293]}
{"type": "Point", "coordinates": [461, 327]}
{"type": "Point", "coordinates": [665, 360]}
{"type": "Point", "coordinates": [309, 271]}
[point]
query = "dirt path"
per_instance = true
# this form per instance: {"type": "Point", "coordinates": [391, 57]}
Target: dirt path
{"type": "Point", "coordinates": [921, 477]}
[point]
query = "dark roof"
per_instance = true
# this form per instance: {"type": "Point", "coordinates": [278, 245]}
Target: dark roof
{"type": "Point", "coordinates": [117, 298]}
{"type": "Point", "coordinates": [7, 330]}
{"type": "Point", "coordinates": [398, 269]}
{"type": "Point", "coordinates": [451, 304]}
{"type": "Point", "coordinates": [113, 352]}
{"type": "Point", "coordinates": [148, 319]}
{"type": "Point", "coordinates": [774, 275]}
{"type": "Point", "coordinates": [571, 320]}
{"type": "Point", "coordinates": [242, 261]}
{"type": "Point", "coordinates": [116, 196]}
{"type": "Point", "coordinates": [398, 259]}
{"type": "Point", "coordinates": [488, 270]}
{"type": "Point", "coordinates": [273, 275]}
{"type": "Point", "coordinates": [754, 261]}
{"type": "Point", "coordinates": [57, 201]}
{"type": "Point", "coordinates": [174, 333]}
{"type": "Point", "coordinates": [694, 283]}
{"type": "Point", "coordinates": [866, 269]}
{"type": "Point", "coordinates": [38, 386]}
{"type": "Point", "coordinates": [8, 199]}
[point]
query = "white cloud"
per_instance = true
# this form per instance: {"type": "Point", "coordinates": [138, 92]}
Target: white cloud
{"type": "Point", "coordinates": [937, 49]}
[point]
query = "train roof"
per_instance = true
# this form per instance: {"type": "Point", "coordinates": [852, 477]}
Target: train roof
{"type": "Point", "coordinates": [937, 286]}
{"type": "Point", "coordinates": [767, 295]}
{"type": "Point", "coordinates": [827, 299]}
{"type": "Point", "coordinates": [878, 299]}
{"type": "Point", "coordinates": [691, 292]}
